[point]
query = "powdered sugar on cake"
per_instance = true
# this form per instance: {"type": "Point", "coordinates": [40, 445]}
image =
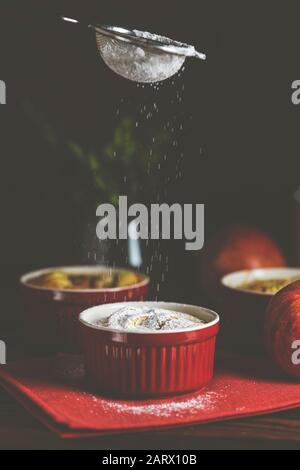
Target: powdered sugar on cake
{"type": "Point", "coordinates": [145, 319]}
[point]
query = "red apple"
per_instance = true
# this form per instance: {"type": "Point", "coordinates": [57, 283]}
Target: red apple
{"type": "Point", "coordinates": [282, 329]}
{"type": "Point", "coordinates": [234, 248]}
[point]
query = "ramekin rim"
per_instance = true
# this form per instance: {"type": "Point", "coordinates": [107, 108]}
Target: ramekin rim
{"type": "Point", "coordinates": [204, 326]}
{"type": "Point", "coordinates": [244, 271]}
{"type": "Point", "coordinates": [24, 282]}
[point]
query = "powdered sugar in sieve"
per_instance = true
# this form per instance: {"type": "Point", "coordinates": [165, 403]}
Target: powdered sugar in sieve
{"type": "Point", "coordinates": [139, 55]}
{"type": "Point", "coordinates": [142, 56]}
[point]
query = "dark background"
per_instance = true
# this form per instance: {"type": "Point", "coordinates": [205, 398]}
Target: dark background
{"type": "Point", "coordinates": [236, 109]}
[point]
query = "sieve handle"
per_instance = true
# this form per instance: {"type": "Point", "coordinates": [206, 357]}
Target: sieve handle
{"type": "Point", "coordinates": [69, 20]}
{"type": "Point", "coordinates": [74, 21]}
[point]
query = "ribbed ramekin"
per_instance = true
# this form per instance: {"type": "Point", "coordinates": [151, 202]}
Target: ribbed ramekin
{"type": "Point", "coordinates": [51, 315]}
{"type": "Point", "coordinates": [138, 364]}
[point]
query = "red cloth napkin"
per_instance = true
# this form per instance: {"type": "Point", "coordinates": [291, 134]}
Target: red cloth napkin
{"type": "Point", "coordinates": [53, 389]}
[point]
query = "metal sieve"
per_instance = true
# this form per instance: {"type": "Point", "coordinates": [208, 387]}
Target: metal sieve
{"type": "Point", "coordinates": [140, 56]}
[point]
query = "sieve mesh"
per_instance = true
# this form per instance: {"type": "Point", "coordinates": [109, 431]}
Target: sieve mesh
{"type": "Point", "coordinates": [139, 55]}
{"type": "Point", "coordinates": [140, 64]}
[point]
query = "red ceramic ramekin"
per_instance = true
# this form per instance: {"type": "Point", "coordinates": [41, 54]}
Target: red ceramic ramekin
{"type": "Point", "coordinates": [244, 310]}
{"type": "Point", "coordinates": [138, 364]}
{"type": "Point", "coordinates": [51, 315]}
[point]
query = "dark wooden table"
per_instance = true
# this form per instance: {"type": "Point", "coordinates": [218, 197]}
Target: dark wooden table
{"type": "Point", "coordinates": [19, 430]}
